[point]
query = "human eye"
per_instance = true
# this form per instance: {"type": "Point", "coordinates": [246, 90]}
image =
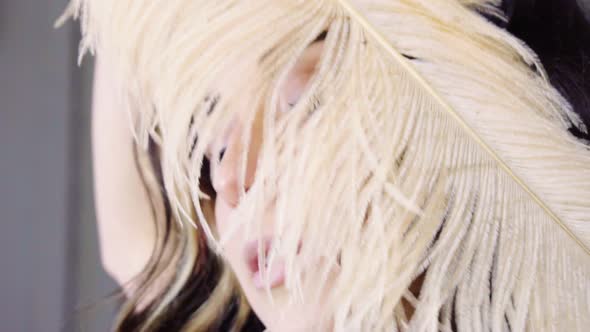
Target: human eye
{"type": "Point", "coordinates": [301, 75]}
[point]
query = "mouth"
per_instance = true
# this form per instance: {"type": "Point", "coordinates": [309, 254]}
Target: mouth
{"type": "Point", "coordinates": [272, 276]}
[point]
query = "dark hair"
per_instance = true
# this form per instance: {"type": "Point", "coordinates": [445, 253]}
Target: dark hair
{"type": "Point", "coordinates": [559, 32]}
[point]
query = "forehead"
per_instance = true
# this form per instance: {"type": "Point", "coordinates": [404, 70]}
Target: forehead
{"type": "Point", "coordinates": [244, 75]}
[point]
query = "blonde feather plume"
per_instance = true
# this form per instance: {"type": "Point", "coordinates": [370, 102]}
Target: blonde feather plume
{"type": "Point", "coordinates": [429, 146]}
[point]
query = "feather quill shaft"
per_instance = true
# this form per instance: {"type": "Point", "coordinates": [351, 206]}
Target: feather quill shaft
{"type": "Point", "coordinates": [404, 63]}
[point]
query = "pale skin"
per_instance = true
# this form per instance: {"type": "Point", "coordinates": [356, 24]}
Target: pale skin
{"type": "Point", "coordinates": [122, 204]}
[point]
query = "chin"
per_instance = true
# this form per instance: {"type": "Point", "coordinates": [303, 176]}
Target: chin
{"type": "Point", "coordinates": [297, 318]}
{"type": "Point", "coordinates": [278, 312]}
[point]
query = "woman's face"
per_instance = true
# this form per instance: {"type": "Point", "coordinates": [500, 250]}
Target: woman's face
{"type": "Point", "coordinates": [242, 253]}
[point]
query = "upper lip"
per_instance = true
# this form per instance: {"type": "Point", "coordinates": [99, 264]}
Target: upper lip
{"type": "Point", "coordinates": [252, 250]}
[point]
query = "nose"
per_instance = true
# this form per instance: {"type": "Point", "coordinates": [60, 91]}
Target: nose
{"type": "Point", "coordinates": [226, 172]}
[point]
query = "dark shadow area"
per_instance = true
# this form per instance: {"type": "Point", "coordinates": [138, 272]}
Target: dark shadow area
{"type": "Point", "coordinates": [559, 32]}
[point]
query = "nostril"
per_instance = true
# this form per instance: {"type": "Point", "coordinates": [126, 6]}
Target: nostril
{"type": "Point", "coordinates": [222, 153]}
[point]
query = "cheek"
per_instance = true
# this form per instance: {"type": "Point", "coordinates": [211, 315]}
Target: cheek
{"type": "Point", "coordinates": [233, 241]}
{"type": "Point", "coordinates": [222, 211]}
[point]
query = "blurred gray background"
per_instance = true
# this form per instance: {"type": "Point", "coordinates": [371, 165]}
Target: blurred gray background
{"type": "Point", "coordinates": [50, 273]}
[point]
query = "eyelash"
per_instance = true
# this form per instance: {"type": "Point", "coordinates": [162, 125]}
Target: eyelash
{"type": "Point", "coordinates": [205, 183]}
{"type": "Point", "coordinates": [315, 104]}
{"type": "Point", "coordinates": [213, 102]}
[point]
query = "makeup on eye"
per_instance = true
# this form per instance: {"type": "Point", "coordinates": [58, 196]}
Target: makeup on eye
{"type": "Point", "coordinates": [212, 102]}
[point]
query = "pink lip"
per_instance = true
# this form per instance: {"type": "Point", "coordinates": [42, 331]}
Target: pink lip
{"type": "Point", "coordinates": [251, 251]}
{"type": "Point", "coordinates": [276, 274]}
